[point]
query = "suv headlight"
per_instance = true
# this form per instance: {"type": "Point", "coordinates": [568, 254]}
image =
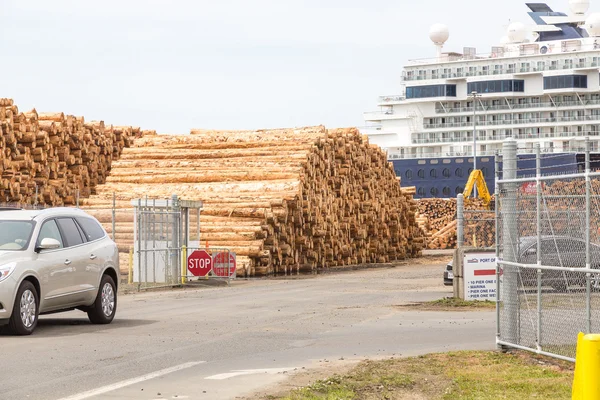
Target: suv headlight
{"type": "Point", "coordinates": [6, 270]}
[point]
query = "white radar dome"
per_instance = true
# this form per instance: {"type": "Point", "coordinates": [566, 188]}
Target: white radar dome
{"type": "Point", "coordinates": [516, 32]}
{"type": "Point", "coordinates": [439, 34]}
{"type": "Point", "coordinates": [592, 24]}
{"type": "Point", "coordinates": [579, 7]}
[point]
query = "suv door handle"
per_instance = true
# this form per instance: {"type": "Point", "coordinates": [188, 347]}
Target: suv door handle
{"type": "Point", "coordinates": [93, 257]}
{"type": "Point", "coordinates": [67, 262]}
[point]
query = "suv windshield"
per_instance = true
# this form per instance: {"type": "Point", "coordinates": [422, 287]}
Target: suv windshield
{"type": "Point", "coordinates": [15, 235]}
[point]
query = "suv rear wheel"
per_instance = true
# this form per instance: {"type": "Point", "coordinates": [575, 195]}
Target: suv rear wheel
{"type": "Point", "coordinates": [104, 308]}
{"type": "Point", "coordinates": [25, 313]}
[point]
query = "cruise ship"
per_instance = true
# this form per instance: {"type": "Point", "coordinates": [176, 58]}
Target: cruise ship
{"type": "Point", "coordinates": [540, 85]}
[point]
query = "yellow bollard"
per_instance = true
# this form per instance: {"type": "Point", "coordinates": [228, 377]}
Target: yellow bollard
{"type": "Point", "coordinates": [130, 277]}
{"type": "Point", "coordinates": [183, 264]}
{"type": "Point", "coordinates": [586, 385]}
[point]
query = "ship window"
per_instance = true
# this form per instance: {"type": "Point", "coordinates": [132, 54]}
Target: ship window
{"type": "Point", "coordinates": [470, 170]}
{"type": "Point", "coordinates": [484, 171]}
{"type": "Point", "coordinates": [518, 86]}
{"type": "Point", "coordinates": [458, 172]}
{"type": "Point", "coordinates": [446, 161]}
{"type": "Point", "coordinates": [459, 161]}
{"type": "Point", "coordinates": [446, 173]}
{"type": "Point", "coordinates": [458, 190]}
{"type": "Point", "coordinates": [565, 81]}
{"type": "Point", "coordinates": [408, 174]}
{"type": "Point", "coordinates": [434, 191]}
{"type": "Point", "coordinates": [485, 159]}
{"type": "Point", "coordinates": [446, 191]}
{"type": "Point", "coordinates": [421, 192]}
{"type": "Point", "coordinates": [511, 85]}
{"type": "Point", "coordinates": [433, 161]}
{"type": "Point", "coordinates": [419, 92]}
{"type": "Point", "coordinates": [433, 173]}
{"type": "Point", "coordinates": [421, 173]}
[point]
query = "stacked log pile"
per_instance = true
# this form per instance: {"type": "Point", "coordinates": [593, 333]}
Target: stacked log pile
{"type": "Point", "coordinates": [437, 217]}
{"type": "Point", "coordinates": [284, 200]}
{"type": "Point", "coordinates": [50, 158]}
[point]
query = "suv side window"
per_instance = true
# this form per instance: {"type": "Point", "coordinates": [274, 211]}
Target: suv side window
{"type": "Point", "coordinates": [50, 230]}
{"type": "Point", "coordinates": [571, 246]}
{"type": "Point", "coordinates": [93, 231]}
{"type": "Point", "coordinates": [70, 232]}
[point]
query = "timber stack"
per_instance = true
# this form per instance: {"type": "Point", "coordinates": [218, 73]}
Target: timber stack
{"type": "Point", "coordinates": [480, 223]}
{"type": "Point", "coordinates": [51, 158]}
{"type": "Point", "coordinates": [285, 201]}
{"type": "Point", "coordinates": [437, 218]}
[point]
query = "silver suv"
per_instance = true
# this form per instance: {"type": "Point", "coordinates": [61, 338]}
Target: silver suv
{"type": "Point", "coordinates": [54, 260]}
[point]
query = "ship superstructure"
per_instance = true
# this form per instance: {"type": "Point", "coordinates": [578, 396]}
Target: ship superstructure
{"type": "Point", "coordinates": [541, 85]}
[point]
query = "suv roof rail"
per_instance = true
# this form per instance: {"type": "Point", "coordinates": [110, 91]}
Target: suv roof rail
{"type": "Point", "coordinates": [10, 208]}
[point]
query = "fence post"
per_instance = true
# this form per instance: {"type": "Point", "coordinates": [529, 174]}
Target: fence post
{"type": "Point", "coordinates": [183, 264]}
{"type": "Point", "coordinates": [138, 219]}
{"type": "Point", "coordinates": [497, 238]}
{"type": "Point", "coordinates": [114, 204]}
{"type": "Point", "coordinates": [510, 238]}
{"type": "Point", "coordinates": [460, 220]}
{"type": "Point", "coordinates": [538, 218]}
{"type": "Point", "coordinates": [588, 202]}
{"type": "Point", "coordinates": [175, 230]}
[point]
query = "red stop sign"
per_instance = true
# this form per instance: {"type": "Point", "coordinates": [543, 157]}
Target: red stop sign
{"type": "Point", "coordinates": [224, 263]}
{"type": "Point", "coordinates": [199, 263]}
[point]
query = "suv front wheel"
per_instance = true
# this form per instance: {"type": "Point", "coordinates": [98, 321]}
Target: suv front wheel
{"type": "Point", "coordinates": [25, 313]}
{"type": "Point", "coordinates": [104, 308]}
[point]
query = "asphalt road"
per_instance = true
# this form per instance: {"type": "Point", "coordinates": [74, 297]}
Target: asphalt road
{"type": "Point", "coordinates": [225, 342]}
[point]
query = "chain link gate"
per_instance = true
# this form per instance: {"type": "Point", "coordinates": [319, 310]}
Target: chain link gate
{"type": "Point", "coordinates": [162, 228]}
{"type": "Point", "coordinates": [548, 250]}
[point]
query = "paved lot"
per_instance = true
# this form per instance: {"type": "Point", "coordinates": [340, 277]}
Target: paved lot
{"type": "Point", "coordinates": [226, 342]}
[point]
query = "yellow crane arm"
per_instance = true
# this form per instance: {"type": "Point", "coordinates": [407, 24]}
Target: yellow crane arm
{"type": "Point", "coordinates": [476, 178]}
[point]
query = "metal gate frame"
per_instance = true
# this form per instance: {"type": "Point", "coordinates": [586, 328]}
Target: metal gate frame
{"type": "Point", "coordinates": [545, 331]}
{"type": "Point", "coordinates": [161, 230]}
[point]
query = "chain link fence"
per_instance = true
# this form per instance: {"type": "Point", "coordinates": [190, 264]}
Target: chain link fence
{"type": "Point", "coordinates": [476, 228]}
{"type": "Point", "coordinates": [154, 242]}
{"type": "Point", "coordinates": [548, 249]}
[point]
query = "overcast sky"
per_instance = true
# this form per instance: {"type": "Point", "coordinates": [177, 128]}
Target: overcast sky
{"type": "Point", "coordinates": [172, 65]}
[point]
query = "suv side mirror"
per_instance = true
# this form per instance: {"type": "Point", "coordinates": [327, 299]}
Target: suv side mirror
{"type": "Point", "coordinates": [48, 244]}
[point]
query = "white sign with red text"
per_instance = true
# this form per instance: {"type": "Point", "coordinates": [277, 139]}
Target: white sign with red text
{"type": "Point", "coordinates": [479, 276]}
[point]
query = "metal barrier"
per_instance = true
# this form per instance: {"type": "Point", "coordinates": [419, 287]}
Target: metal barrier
{"type": "Point", "coordinates": [549, 257]}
